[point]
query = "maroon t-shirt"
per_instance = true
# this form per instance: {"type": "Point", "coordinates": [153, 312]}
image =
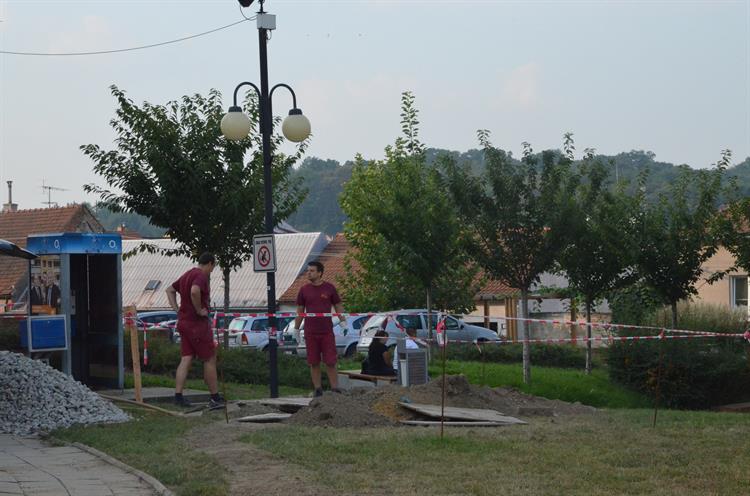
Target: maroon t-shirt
{"type": "Point", "coordinates": [318, 299]}
{"type": "Point", "coordinates": [187, 317]}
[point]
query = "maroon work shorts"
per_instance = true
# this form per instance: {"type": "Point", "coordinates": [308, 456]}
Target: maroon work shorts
{"type": "Point", "coordinates": [321, 345]}
{"type": "Point", "coordinates": [197, 340]}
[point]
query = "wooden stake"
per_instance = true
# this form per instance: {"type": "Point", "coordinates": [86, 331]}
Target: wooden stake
{"type": "Point", "coordinates": [141, 404]}
{"type": "Point", "coordinates": [131, 313]}
{"type": "Point", "coordinates": [658, 377]}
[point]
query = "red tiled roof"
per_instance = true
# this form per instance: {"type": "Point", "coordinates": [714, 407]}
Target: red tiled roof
{"type": "Point", "coordinates": [495, 288]}
{"type": "Point", "coordinates": [127, 233]}
{"type": "Point", "coordinates": [333, 260]}
{"type": "Point", "coordinates": [15, 226]}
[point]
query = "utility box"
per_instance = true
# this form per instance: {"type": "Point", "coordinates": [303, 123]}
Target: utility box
{"type": "Point", "coordinates": [412, 365]}
{"type": "Point", "coordinates": [75, 284]}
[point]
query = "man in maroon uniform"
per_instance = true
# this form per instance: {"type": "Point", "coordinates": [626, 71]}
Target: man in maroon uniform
{"type": "Point", "coordinates": [318, 297]}
{"type": "Point", "coordinates": [196, 338]}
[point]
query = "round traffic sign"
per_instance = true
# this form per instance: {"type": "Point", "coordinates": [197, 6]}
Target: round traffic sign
{"type": "Point", "coordinates": [264, 256]}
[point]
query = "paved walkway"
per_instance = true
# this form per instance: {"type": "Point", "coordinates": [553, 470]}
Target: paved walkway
{"type": "Point", "coordinates": [30, 467]}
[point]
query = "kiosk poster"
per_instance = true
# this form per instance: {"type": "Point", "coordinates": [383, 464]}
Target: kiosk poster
{"type": "Point", "coordinates": [44, 292]}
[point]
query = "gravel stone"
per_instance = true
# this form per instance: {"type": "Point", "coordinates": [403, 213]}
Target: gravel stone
{"type": "Point", "coordinates": [35, 397]}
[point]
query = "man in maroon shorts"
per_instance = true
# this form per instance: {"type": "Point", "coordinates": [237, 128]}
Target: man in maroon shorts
{"type": "Point", "coordinates": [318, 297]}
{"type": "Point", "coordinates": [196, 338]}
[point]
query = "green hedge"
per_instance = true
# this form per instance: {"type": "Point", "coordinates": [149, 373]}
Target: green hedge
{"type": "Point", "coordinates": [694, 373]}
{"type": "Point", "coordinates": [241, 365]}
{"type": "Point", "coordinates": [542, 354]}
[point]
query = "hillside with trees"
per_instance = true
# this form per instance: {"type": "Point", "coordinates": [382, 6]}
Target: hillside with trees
{"type": "Point", "coordinates": [324, 181]}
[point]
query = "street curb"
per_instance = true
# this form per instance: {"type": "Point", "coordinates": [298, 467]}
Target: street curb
{"type": "Point", "coordinates": [160, 489]}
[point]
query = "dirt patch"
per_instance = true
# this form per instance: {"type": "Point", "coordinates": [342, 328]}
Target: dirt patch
{"type": "Point", "coordinates": [379, 406]}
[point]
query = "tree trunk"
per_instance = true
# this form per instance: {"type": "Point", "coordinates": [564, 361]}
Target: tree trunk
{"type": "Point", "coordinates": [226, 306]}
{"type": "Point", "coordinates": [525, 336]}
{"type": "Point", "coordinates": [573, 327]}
{"type": "Point", "coordinates": [588, 336]}
{"type": "Point", "coordinates": [674, 315]}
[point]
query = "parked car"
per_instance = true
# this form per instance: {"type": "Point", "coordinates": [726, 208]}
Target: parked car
{"type": "Point", "coordinates": [347, 335]}
{"type": "Point", "coordinates": [168, 328]}
{"type": "Point", "coordinates": [253, 331]}
{"type": "Point", "coordinates": [156, 317]}
{"type": "Point", "coordinates": [154, 321]}
{"type": "Point", "coordinates": [456, 329]}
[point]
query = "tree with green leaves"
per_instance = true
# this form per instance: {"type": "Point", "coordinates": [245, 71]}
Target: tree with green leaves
{"type": "Point", "coordinates": [172, 165]}
{"type": "Point", "coordinates": [736, 237]}
{"type": "Point", "coordinates": [515, 214]}
{"type": "Point", "coordinates": [596, 255]}
{"type": "Point", "coordinates": [404, 231]}
{"type": "Point", "coordinates": [677, 234]}
{"type": "Point", "coordinates": [733, 225]}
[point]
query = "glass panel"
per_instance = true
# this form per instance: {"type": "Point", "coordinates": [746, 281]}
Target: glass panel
{"type": "Point", "coordinates": [451, 323]}
{"type": "Point", "coordinates": [359, 323]}
{"type": "Point", "coordinates": [237, 324]}
{"type": "Point", "coordinates": [740, 291]}
{"type": "Point", "coordinates": [410, 321]}
{"type": "Point", "coordinates": [259, 325]}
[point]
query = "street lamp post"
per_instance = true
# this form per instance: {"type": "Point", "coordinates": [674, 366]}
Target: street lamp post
{"type": "Point", "coordinates": [235, 125]}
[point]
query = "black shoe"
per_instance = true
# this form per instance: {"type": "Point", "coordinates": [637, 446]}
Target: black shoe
{"type": "Point", "coordinates": [318, 393]}
{"type": "Point", "coordinates": [214, 404]}
{"type": "Point", "coordinates": [182, 401]}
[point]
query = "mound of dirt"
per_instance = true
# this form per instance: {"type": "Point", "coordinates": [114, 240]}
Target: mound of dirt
{"type": "Point", "coordinates": [379, 406]}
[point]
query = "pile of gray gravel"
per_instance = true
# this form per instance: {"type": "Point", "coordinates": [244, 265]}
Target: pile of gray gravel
{"type": "Point", "coordinates": [35, 397]}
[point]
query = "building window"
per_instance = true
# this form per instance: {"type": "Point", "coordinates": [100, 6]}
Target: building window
{"type": "Point", "coordinates": [739, 292]}
{"type": "Point", "coordinates": [154, 284]}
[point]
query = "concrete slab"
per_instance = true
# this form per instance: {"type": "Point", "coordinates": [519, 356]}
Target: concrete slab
{"type": "Point", "coordinates": [451, 423]}
{"type": "Point", "coordinates": [289, 404]}
{"type": "Point", "coordinates": [265, 418]}
{"type": "Point", "coordinates": [466, 414]}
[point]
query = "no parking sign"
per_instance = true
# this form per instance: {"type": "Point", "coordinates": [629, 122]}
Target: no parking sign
{"type": "Point", "coordinates": [264, 253]}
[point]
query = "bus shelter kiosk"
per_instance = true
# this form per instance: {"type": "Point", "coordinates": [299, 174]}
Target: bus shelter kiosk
{"type": "Point", "coordinates": [75, 304]}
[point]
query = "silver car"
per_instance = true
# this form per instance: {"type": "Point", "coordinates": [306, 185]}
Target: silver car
{"type": "Point", "coordinates": [253, 331]}
{"type": "Point", "coordinates": [347, 336]}
{"type": "Point", "coordinates": [456, 329]}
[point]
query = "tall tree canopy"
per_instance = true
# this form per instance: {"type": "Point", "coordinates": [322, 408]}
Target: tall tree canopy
{"type": "Point", "coordinates": [677, 234]}
{"type": "Point", "coordinates": [172, 164]}
{"type": "Point", "coordinates": [596, 256]}
{"type": "Point", "coordinates": [407, 239]}
{"type": "Point", "coordinates": [516, 216]}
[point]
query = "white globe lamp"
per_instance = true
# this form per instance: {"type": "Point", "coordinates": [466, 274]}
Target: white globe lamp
{"type": "Point", "coordinates": [235, 125]}
{"type": "Point", "coordinates": [296, 127]}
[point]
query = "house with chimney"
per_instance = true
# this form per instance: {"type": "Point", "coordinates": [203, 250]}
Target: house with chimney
{"type": "Point", "coordinates": [16, 224]}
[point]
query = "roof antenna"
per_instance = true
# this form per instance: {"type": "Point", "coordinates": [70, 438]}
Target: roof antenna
{"type": "Point", "coordinates": [49, 190]}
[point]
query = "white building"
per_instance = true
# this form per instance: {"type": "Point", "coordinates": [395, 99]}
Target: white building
{"type": "Point", "coordinates": [145, 276]}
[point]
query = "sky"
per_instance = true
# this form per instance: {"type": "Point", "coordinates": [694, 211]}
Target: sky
{"type": "Point", "coordinates": [670, 77]}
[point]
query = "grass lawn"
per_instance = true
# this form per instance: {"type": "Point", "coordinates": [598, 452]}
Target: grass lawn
{"type": "Point", "coordinates": [614, 452]}
{"type": "Point", "coordinates": [234, 390]}
{"type": "Point", "coordinates": [154, 443]}
{"type": "Point", "coordinates": [549, 382]}
{"type": "Point", "coordinates": [553, 383]}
